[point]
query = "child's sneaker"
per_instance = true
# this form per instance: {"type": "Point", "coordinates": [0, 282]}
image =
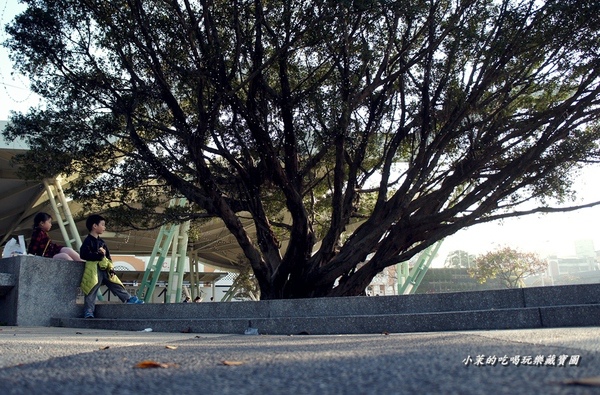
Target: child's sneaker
{"type": "Point", "coordinates": [134, 300]}
{"type": "Point", "coordinates": [88, 314]}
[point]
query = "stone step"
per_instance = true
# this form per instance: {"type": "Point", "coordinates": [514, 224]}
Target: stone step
{"type": "Point", "coordinates": [539, 307]}
{"type": "Point", "coordinates": [509, 318]}
{"type": "Point", "coordinates": [351, 306]}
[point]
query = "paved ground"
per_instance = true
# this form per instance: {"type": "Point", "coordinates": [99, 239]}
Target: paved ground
{"type": "Point", "coordinates": [40, 360]}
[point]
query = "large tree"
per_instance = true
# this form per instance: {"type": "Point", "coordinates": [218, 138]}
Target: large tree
{"type": "Point", "coordinates": [355, 134]}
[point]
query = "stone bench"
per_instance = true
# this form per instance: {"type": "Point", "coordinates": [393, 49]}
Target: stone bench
{"type": "Point", "coordinates": [34, 289]}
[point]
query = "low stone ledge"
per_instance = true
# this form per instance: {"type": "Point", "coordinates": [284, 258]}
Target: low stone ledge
{"type": "Point", "coordinates": [362, 305]}
{"type": "Point", "coordinates": [42, 288]}
{"type": "Point", "coordinates": [575, 315]}
{"type": "Point", "coordinates": [393, 323]}
{"type": "Point", "coordinates": [560, 295]}
{"type": "Point", "coordinates": [572, 305]}
{"type": "Point", "coordinates": [521, 318]}
{"type": "Point", "coordinates": [323, 307]}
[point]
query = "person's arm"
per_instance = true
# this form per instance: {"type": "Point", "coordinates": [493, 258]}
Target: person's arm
{"type": "Point", "coordinates": [89, 250]}
{"type": "Point", "coordinates": [107, 252]}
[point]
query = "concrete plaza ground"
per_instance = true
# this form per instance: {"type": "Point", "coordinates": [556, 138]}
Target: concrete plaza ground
{"type": "Point", "coordinates": [49, 360]}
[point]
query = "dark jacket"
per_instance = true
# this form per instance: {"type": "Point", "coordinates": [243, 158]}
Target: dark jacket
{"type": "Point", "coordinates": [90, 249]}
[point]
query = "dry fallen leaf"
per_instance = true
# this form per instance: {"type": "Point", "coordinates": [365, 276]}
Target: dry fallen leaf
{"type": "Point", "coordinates": [591, 381]}
{"type": "Point", "coordinates": [153, 364]}
{"type": "Point", "coordinates": [150, 364]}
{"type": "Point", "coordinates": [232, 363]}
{"type": "Point", "coordinates": [104, 348]}
{"type": "Point", "coordinates": [171, 347]}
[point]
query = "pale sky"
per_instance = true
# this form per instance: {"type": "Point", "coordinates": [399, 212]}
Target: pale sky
{"type": "Point", "coordinates": [544, 234]}
{"type": "Point", "coordinates": [15, 94]}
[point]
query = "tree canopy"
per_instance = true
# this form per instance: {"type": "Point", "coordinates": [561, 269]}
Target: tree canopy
{"type": "Point", "coordinates": [358, 132]}
{"type": "Point", "coordinates": [509, 265]}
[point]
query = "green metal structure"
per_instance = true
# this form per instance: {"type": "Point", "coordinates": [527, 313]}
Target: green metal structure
{"type": "Point", "coordinates": [231, 292]}
{"type": "Point", "coordinates": [409, 280]}
{"type": "Point", "coordinates": [157, 258]}
{"type": "Point", "coordinates": [62, 213]}
{"type": "Point", "coordinates": [177, 268]}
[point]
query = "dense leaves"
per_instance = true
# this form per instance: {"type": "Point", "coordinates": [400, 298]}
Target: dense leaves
{"type": "Point", "coordinates": [354, 133]}
{"type": "Point", "coordinates": [509, 265]}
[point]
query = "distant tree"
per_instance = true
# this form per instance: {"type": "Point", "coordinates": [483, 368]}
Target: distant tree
{"type": "Point", "coordinates": [245, 285]}
{"type": "Point", "coordinates": [459, 259]}
{"type": "Point", "coordinates": [508, 265]}
{"type": "Point", "coordinates": [353, 133]}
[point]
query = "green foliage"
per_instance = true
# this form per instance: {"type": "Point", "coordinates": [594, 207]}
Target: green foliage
{"type": "Point", "coordinates": [509, 265]}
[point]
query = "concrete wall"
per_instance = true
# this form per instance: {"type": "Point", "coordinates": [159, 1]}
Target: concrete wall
{"type": "Point", "coordinates": [43, 288]}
